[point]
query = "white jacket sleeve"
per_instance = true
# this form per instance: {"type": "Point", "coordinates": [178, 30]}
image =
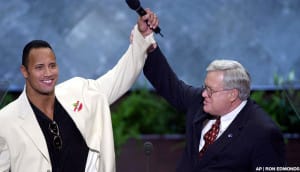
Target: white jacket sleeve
{"type": "Point", "coordinates": [120, 78]}
{"type": "Point", "coordinates": [4, 156]}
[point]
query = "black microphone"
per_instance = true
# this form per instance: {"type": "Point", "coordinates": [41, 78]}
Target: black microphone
{"type": "Point", "coordinates": [148, 147]}
{"type": "Point", "coordinates": [136, 6]}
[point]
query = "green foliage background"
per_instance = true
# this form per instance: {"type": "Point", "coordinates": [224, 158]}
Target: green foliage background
{"type": "Point", "coordinates": [143, 112]}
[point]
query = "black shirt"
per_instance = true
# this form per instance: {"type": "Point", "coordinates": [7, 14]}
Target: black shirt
{"type": "Point", "coordinates": [73, 154]}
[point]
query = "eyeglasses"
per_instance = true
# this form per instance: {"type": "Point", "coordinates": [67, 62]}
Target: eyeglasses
{"type": "Point", "coordinates": [210, 91]}
{"type": "Point", "coordinates": [57, 141]}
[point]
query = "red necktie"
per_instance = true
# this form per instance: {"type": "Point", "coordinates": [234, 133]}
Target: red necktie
{"type": "Point", "coordinates": [210, 136]}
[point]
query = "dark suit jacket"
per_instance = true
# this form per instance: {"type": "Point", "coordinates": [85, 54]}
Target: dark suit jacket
{"type": "Point", "coordinates": [251, 141]}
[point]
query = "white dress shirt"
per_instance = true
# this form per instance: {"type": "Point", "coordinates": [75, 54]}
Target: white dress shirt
{"type": "Point", "coordinates": [226, 120]}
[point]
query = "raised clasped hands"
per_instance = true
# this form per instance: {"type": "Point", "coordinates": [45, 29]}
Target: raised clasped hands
{"type": "Point", "coordinates": [145, 25]}
{"type": "Point", "coordinates": [147, 22]}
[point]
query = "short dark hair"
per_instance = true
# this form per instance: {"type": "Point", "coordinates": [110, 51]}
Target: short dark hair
{"type": "Point", "coordinates": [30, 45]}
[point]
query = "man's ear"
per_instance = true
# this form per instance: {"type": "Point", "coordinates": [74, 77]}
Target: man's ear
{"type": "Point", "coordinates": [24, 71]}
{"type": "Point", "coordinates": [234, 95]}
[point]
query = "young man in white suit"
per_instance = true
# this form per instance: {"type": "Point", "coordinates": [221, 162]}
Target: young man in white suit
{"type": "Point", "coordinates": [67, 127]}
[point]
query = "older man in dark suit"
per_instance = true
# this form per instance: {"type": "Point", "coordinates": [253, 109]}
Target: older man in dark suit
{"type": "Point", "coordinates": [225, 130]}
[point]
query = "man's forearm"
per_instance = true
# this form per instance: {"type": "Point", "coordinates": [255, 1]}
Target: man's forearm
{"type": "Point", "coordinates": [120, 78]}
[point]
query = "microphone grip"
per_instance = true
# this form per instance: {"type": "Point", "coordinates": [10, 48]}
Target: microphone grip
{"type": "Point", "coordinates": [142, 12]}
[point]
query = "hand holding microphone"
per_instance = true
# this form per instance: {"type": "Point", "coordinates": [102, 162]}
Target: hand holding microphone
{"type": "Point", "coordinates": [149, 19]}
{"type": "Point", "coordinates": [148, 22]}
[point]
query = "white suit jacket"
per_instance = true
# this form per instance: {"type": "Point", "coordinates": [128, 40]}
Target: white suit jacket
{"type": "Point", "coordinates": [22, 144]}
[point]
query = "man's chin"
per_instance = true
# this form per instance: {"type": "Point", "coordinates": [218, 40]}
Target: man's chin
{"type": "Point", "coordinates": [47, 92]}
{"type": "Point", "coordinates": [205, 109]}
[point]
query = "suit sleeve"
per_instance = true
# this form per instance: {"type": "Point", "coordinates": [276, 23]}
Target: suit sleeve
{"type": "Point", "coordinates": [165, 81]}
{"type": "Point", "coordinates": [269, 150]}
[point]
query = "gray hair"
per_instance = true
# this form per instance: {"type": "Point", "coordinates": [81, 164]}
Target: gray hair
{"type": "Point", "coordinates": [235, 76]}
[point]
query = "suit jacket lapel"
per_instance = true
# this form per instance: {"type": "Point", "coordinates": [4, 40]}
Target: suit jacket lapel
{"type": "Point", "coordinates": [230, 134]}
{"type": "Point", "coordinates": [198, 121]}
{"type": "Point", "coordinates": [77, 109]}
{"type": "Point", "coordinates": [31, 126]}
